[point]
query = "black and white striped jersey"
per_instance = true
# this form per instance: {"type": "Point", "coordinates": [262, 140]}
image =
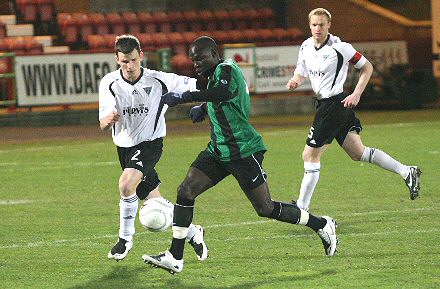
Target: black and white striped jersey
{"type": "Point", "coordinates": [139, 103]}
{"type": "Point", "coordinates": [327, 66]}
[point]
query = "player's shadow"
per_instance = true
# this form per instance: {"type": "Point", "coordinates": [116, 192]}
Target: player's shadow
{"type": "Point", "coordinates": [128, 276]}
{"type": "Point", "coordinates": [272, 281]}
{"type": "Point", "coordinates": [122, 274]}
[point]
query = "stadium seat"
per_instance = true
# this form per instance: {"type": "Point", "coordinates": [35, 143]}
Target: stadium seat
{"type": "Point", "coordinates": [177, 20]}
{"type": "Point", "coordinates": [189, 37]}
{"type": "Point", "coordinates": [46, 10]}
{"type": "Point", "coordinates": [239, 18]}
{"type": "Point", "coordinates": [147, 22]}
{"type": "Point", "coordinates": [192, 17]}
{"type": "Point", "coordinates": [161, 18]}
{"type": "Point", "coordinates": [84, 24]}
{"type": "Point", "coordinates": [15, 44]}
{"type": "Point", "coordinates": [146, 41]}
{"type": "Point", "coordinates": [208, 18]}
{"type": "Point", "coordinates": [251, 35]}
{"type": "Point", "coordinates": [253, 17]}
{"type": "Point", "coordinates": [32, 46]}
{"type": "Point", "coordinates": [3, 47]}
{"type": "Point", "coordinates": [109, 41]}
{"type": "Point", "coordinates": [132, 22]}
{"type": "Point", "coordinates": [267, 17]}
{"type": "Point", "coordinates": [61, 22]}
{"type": "Point", "coordinates": [68, 28]}
{"type": "Point", "coordinates": [62, 17]}
{"type": "Point", "coordinates": [266, 35]}
{"type": "Point", "coordinates": [28, 10]}
{"type": "Point", "coordinates": [99, 22]}
{"type": "Point", "coordinates": [280, 34]}
{"type": "Point", "coordinates": [178, 43]}
{"type": "Point", "coordinates": [161, 39]}
{"type": "Point", "coordinates": [237, 36]}
{"type": "Point", "coordinates": [116, 23]}
{"type": "Point", "coordinates": [221, 37]}
{"type": "Point", "coordinates": [294, 34]}
{"type": "Point", "coordinates": [183, 65]}
{"type": "Point", "coordinates": [223, 19]}
{"type": "Point", "coordinates": [97, 43]}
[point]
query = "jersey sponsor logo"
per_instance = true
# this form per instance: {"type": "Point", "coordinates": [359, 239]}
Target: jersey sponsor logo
{"type": "Point", "coordinates": [148, 90]}
{"type": "Point", "coordinates": [135, 92]}
{"type": "Point", "coordinates": [316, 73]}
{"type": "Point", "coordinates": [135, 111]}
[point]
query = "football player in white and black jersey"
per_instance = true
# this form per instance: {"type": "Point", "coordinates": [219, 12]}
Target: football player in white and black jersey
{"type": "Point", "coordinates": [324, 59]}
{"type": "Point", "coordinates": [130, 105]}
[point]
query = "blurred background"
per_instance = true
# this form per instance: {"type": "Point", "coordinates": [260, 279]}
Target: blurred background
{"type": "Point", "coordinates": [53, 53]}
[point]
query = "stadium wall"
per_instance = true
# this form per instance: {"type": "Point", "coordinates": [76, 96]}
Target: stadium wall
{"type": "Point", "coordinates": [283, 104]}
{"type": "Point", "coordinates": [357, 21]}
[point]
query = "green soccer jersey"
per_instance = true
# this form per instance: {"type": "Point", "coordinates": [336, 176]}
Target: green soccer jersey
{"type": "Point", "coordinates": [232, 136]}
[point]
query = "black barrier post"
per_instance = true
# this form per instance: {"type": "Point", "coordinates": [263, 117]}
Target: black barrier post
{"type": "Point", "coordinates": [7, 80]}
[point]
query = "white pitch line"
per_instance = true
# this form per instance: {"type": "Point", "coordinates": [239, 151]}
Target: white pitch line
{"type": "Point", "coordinates": [43, 148]}
{"type": "Point", "coordinates": [15, 202]}
{"type": "Point", "coordinates": [167, 240]}
{"type": "Point", "coordinates": [9, 164]}
{"type": "Point", "coordinates": [54, 166]}
{"type": "Point", "coordinates": [290, 236]}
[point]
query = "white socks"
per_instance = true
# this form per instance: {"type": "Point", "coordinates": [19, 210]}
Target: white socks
{"type": "Point", "coordinates": [192, 230]}
{"type": "Point", "coordinates": [381, 159]}
{"type": "Point", "coordinates": [128, 207]}
{"type": "Point", "coordinates": [182, 232]}
{"type": "Point", "coordinates": [304, 218]}
{"type": "Point", "coordinates": [371, 155]}
{"type": "Point", "coordinates": [308, 184]}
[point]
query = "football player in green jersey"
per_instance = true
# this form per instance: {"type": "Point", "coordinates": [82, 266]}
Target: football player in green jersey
{"type": "Point", "coordinates": [236, 148]}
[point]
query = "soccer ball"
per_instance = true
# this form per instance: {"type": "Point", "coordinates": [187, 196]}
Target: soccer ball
{"type": "Point", "coordinates": [156, 214]}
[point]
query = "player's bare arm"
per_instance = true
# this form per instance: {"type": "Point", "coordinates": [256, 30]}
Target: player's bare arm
{"type": "Point", "coordinates": [364, 76]}
{"type": "Point", "coordinates": [295, 81]}
{"type": "Point", "coordinates": [109, 120]}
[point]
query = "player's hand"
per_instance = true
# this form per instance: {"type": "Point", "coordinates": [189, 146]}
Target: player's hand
{"type": "Point", "coordinates": [109, 120]}
{"type": "Point", "coordinates": [351, 101]}
{"type": "Point", "coordinates": [198, 113]}
{"type": "Point", "coordinates": [175, 98]}
{"type": "Point", "coordinates": [292, 84]}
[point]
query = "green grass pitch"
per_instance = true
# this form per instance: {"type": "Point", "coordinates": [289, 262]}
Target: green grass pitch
{"type": "Point", "coordinates": [59, 214]}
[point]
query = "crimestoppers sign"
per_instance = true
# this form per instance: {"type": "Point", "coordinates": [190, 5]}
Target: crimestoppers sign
{"type": "Point", "coordinates": [61, 79]}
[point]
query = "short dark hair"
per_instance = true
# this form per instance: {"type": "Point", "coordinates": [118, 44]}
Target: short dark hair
{"type": "Point", "coordinates": [126, 43]}
{"type": "Point", "coordinates": [205, 42]}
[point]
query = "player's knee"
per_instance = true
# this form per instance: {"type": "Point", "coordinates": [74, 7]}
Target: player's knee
{"type": "Point", "coordinates": [305, 156]}
{"type": "Point", "coordinates": [355, 155]}
{"type": "Point", "coordinates": [308, 157]}
{"type": "Point", "coordinates": [126, 188]}
{"type": "Point", "coordinates": [184, 192]}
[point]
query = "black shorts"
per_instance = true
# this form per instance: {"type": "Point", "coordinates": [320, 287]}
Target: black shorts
{"type": "Point", "coordinates": [332, 121]}
{"type": "Point", "coordinates": [144, 158]}
{"type": "Point", "coordinates": [248, 172]}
